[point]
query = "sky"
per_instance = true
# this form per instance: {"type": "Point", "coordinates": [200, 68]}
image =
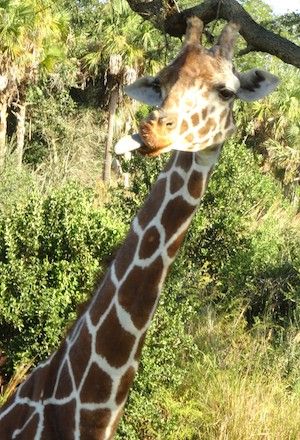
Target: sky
{"type": "Point", "coordinates": [283, 6]}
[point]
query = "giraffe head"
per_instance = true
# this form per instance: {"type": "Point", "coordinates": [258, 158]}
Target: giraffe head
{"type": "Point", "coordinates": [193, 96]}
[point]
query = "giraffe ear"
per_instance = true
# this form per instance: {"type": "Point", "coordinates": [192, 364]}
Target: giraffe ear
{"type": "Point", "coordinates": [145, 90]}
{"type": "Point", "coordinates": [256, 84]}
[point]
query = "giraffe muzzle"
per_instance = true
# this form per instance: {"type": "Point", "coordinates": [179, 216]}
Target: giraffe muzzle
{"type": "Point", "coordinates": [157, 131]}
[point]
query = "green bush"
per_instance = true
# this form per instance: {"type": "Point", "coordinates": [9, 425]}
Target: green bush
{"type": "Point", "coordinates": [240, 386]}
{"type": "Point", "coordinates": [51, 249]}
{"type": "Point", "coordinates": [243, 242]}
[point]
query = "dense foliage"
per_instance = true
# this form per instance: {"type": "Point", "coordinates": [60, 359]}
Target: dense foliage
{"type": "Point", "coordinates": [51, 249]}
{"type": "Point", "coordinates": [222, 356]}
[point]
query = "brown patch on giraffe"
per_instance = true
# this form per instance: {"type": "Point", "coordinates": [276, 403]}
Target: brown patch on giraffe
{"type": "Point", "coordinates": [33, 387]}
{"type": "Point", "coordinates": [112, 341]}
{"type": "Point", "coordinates": [184, 127]}
{"type": "Point", "coordinates": [185, 160]}
{"type": "Point", "coordinates": [126, 254]}
{"type": "Point", "coordinates": [189, 137]}
{"type": "Point", "coordinates": [195, 119]}
{"type": "Point", "coordinates": [223, 114]}
{"type": "Point", "coordinates": [15, 419]}
{"type": "Point", "coordinates": [27, 433]}
{"type": "Point", "coordinates": [150, 243]}
{"type": "Point", "coordinates": [80, 354]}
{"type": "Point", "coordinates": [195, 184]}
{"type": "Point", "coordinates": [153, 203]}
{"type": "Point", "coordinates": [210, 124]}
{"type": "Point", "coordinates": [125, 383]}
{"type": "Point", "coordinates": [140, 347]}
{"type": "Point", "coordinates": [204, 113]}
{"type": "Point", "coordinates": [59, 421]}
{"type": "Point", "coordinates": [48, 377]}
{"type": "Point", "coordinates": [64, 386]}
{"type": "Point", "coordinates": [176, 182]}
{"type": "Point", "coordinates": [41, 382]}
{"type": "Point", "coordinates": [102, 300]}
{"type": "Point", "coordinates": [139, 291]}
{"type": "Point", "coordinates": [173, 248]}
{"type": "Point", "coordinates": [176, 212]}
{"type": "Point", "coordinates": [97, 386]}
{"type": "Point", "coordinates": [93, 424]}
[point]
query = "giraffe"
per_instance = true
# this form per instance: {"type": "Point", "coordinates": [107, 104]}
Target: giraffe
{"type": "Point", "coordinates": [80, 391]}
{"type": "Point", "coordinates": [194, 96]}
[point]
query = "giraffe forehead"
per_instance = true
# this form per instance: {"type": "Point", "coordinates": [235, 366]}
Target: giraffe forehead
{"type": "Point", "coordinates": [193, 98]}
{"type": "Point", "coordinates": [194, 71]}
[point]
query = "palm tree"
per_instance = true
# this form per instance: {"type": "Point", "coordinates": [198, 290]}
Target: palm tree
{"type": "Point", "coordinates": [12, 16]}
{"type": "Point", "coordinates": [119, 43]}
{"type": "Point", "coordinates": [272, 127]}
{"type": "Point", "coordinates": [32, 36]}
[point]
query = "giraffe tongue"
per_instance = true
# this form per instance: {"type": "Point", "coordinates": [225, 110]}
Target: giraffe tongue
{"type": "Point", "coordinates": [128, 143]}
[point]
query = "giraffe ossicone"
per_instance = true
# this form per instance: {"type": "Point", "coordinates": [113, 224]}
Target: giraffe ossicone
{"type": "Point", "coordinates": [194, 96]}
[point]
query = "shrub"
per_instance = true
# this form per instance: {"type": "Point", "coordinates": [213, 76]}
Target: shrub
{"type": "Point", "coordinates": [241, 240]}
{"type": "Point", "coordinates": [51, 249]}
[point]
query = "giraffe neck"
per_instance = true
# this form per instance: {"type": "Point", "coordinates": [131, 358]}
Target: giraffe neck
{"type": "Point", "coordinates": [79, 393]}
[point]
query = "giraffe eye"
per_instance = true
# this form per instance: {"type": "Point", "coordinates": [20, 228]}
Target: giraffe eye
{"type": "Point", "coordinates": [225, 94]}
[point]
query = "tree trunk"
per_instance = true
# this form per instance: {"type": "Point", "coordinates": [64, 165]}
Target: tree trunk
{"type": "Point", "coordinates": [110, 132]}
{"type": "Point", "coordinates": [3, 128]}
{"type": "Point", "coordinates": [20, 114]}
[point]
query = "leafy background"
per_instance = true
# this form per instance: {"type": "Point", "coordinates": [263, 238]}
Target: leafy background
{"type": "Point", "coordinates": [221, 359]}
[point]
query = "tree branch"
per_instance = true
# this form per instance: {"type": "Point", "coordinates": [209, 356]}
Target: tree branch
{"type": "Point", "coordinates": [164, 16]}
